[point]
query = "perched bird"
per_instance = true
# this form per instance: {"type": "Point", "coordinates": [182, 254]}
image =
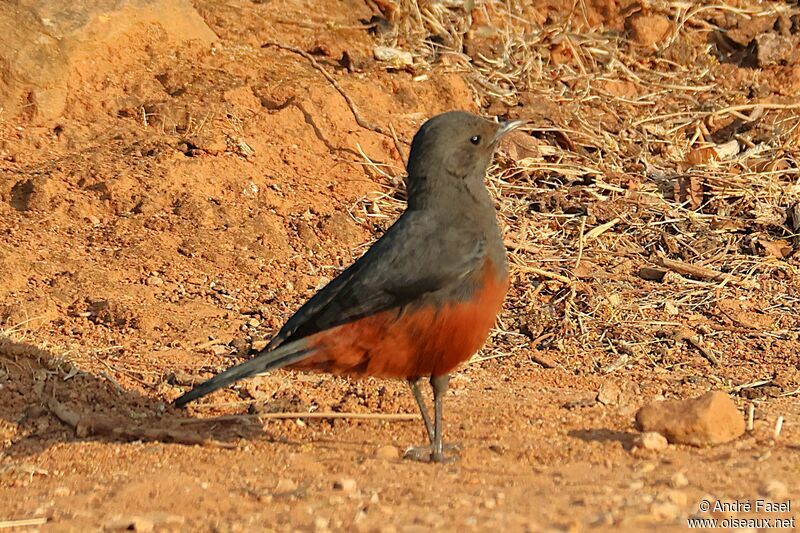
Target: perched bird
{"type": "Point", "coordinates": [423, 298]}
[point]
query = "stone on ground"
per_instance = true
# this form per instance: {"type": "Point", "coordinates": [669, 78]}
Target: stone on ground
{"type": "Point", "coordinates": [44, 42]}
{"type": "Point", "coordinates": [710, 419]}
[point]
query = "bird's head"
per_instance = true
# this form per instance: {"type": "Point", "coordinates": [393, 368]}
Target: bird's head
{"type": "Point", "coordinates": [451, 152]}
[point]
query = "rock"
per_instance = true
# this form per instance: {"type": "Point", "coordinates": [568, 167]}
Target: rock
{"type": "Point", "coordinates": [609, 394]}
{"type": "Point", "coordinates": [220, 349]}
{"type": "Point", "coordinates": [706, 420]}
{"type": "Point", "coordinates": [240, 345]}
{"type": "Point", "coordinates": [387, 452]}
{"type": "Point", "coordinates": [46, 47]}
{"type": "Point", "coordinates": [650, 441]}
{"type": "Point", "coordinates": [345, 484]}
{"type": "Point", "coordinates": [154, 281]}
{"type": "Point", "coordinates": [772, 48]}
{"type": "Point", "coordinates": [749, 28]}
{"type": "Point", "coordinates": [665, 511]}
{"type": "Point", "coordinates": [142, 523]}
{"type": "Point", "coordinates": [649, 30]}
{"type": "Point", "coordinates": [393, 57]}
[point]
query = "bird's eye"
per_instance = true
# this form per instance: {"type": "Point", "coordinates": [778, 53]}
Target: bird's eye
{"type": "Point", "coordinates": [475, 139]}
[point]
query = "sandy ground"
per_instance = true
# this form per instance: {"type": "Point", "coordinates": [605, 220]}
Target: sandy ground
{"type": "Point", "coordinates": [191, 199]}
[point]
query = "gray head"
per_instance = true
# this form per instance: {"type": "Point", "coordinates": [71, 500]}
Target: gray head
{"type": "Point", "coordinates": [449, 157]}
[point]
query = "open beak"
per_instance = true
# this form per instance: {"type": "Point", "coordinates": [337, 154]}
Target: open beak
{"type": "Point", "coordinates": [506, 127]}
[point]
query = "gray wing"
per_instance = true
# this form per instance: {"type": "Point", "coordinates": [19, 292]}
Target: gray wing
{"type": "Point", "coordinates": [417, 255]}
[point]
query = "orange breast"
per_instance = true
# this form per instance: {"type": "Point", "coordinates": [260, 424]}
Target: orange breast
{"type": "Point", "coordinates": [426, 341]}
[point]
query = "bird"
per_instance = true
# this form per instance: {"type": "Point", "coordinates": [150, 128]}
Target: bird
{"type": "Point", "coordinates": [423, 298]}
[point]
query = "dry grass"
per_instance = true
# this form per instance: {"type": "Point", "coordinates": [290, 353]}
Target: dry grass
{"type": "Point", "coordinates": [639, 156]}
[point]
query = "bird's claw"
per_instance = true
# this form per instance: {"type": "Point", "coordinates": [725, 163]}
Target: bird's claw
{"type": "Point", "coordinates": [425, 454]}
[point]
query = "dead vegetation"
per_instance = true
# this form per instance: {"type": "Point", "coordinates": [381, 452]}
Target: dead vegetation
{"type": "Point", "coordinates": [651, 194]}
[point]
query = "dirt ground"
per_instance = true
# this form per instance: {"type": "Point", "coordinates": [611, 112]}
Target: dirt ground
{"type": "Point", "coordinates": [191, 197]}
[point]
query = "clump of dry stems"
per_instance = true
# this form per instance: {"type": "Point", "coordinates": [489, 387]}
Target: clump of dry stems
{"type": "Point", "coordinates": [654, 194]}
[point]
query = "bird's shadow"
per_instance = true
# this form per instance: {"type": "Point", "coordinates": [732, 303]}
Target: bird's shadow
{"type": "Point", "coordinates": [604, 435]}
{"type": "Point", "coordinates": [44, 400]}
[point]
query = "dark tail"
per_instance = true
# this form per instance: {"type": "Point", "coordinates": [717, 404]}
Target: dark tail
{"type": "Point", "coordinates": [263, 362]}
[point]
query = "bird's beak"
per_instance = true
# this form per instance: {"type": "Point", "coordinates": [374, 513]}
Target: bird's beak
{"type": "Point", "coordinates": [506, 127]}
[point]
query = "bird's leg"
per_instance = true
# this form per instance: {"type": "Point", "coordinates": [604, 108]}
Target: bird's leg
{"type": "Point", "coordinates": [435, 451]}
{"type": "Point", "coordinates": [439, 384]}
{"type": "Point", "coordinates": [426, 418]}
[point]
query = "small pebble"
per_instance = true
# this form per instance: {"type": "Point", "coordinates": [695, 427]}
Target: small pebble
{"type": "Point", "coordinates": [679, 480]}
{"type": "Point", "coordinates": [345, 484]}
{"type": "Point", "coordinates": [387, 452]}
{"type": "Point", "coordinates": [609, 394]}
{"type": "Point", "coordinates": [774, 490]}
{"type": "Point", "coordinates": [140, 524]}
{"type": "Point", "coordinates": [240, 345]}
{"type": "Point", "coordinates": [259, 345]}
{"type": "Point", "coordinates": [321, 523]}
{"type": "Point", "coordinates": [219, 349]}
{"type": "Point", "coordinates": [651, 440]}
{"type": "Point", "coordinates": [285, 485]}
{"type": "Point", "coordinates": [646, 468]}
{"type": "Point", "coordinates": [665, 511]}
{"type": "Point", "coordinates": [34, 411]}
{"type": "Point", "coordinates": [499, 449]}
{"type": "Point", "coordinates": [154, 280]}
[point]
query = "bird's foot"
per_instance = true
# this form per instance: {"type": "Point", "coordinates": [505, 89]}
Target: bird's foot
{"type": "Point", "coordinates": [425, 454]}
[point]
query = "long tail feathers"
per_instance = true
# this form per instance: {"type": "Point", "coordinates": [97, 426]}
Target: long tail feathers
{"type": "Point", "coordinates": [278, 358]}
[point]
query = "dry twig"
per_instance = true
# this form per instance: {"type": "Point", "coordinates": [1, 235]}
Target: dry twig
{"type": "Point", "coordinates": [364, 123]}
{"type": "Point", "coordinates": [23, 522]}
{"type": "Point", "coordinates": [400, 417]}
